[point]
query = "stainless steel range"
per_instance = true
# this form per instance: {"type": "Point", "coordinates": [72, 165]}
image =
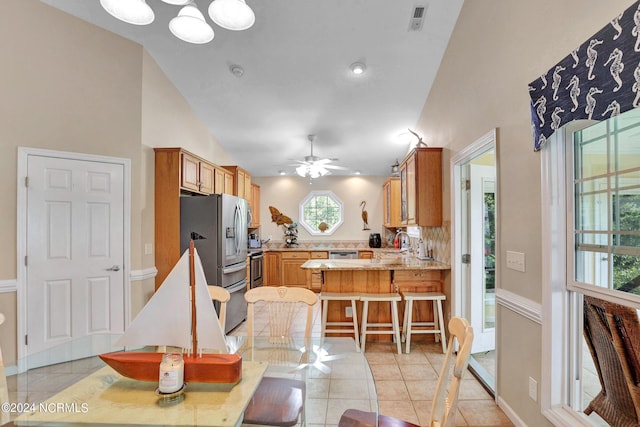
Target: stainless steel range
{"type": "Point", "coordinates": [256, 268]}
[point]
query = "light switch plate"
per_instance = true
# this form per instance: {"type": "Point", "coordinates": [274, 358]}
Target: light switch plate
{"type": "Point", "coordinates": [515, 261]}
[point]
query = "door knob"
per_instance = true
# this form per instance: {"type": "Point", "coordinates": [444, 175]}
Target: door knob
{"type": "Point", "coordinates": [114, 268]}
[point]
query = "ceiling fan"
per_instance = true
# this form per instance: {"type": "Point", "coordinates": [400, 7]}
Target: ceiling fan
{"type": "Point", "coordinates": [313, 166]}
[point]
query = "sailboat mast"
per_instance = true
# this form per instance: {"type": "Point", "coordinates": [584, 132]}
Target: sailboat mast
{"type": "Point", "coordinates": [192, 284]}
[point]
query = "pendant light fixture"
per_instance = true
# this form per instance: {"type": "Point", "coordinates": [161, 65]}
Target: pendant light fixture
{"type": "Point", "coordinates": [136, 12]}
{"type": "Point", "coordinates": [189, 25]}
{"type": "Point", "coordinates": [232, 14]}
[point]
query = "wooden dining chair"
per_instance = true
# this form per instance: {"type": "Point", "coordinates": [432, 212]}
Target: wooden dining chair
{"type": "Point", "coordinates": [612, 333]}
{"type": "Point", "coordinates": [221, 295]}
{"type": "Point", "coordinates": [445, 401]}
{"type": "Point", "coordinates": [279, 401]}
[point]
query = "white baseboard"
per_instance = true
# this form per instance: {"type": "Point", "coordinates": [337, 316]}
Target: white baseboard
{"type": "Point", "coordinates": [510, 413]}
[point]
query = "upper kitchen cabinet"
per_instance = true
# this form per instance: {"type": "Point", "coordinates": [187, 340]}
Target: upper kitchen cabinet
{"type": "Point", "coordinates": [196, 174]}
{"type": "Point", "coordinates": [391, 203]}
{"type": "Point", "coordinates": [254, 201]}
{"type": "Point", "coordinates": [223, 181]}
{"type": "Point", "coordinates": [421, 187]}
{"type": "Point", "coordinates": [179, 172]}
{"type": "Point", "coordinates": [242, 182]}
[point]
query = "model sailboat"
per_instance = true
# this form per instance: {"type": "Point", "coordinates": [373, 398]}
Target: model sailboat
{"type": "Point", "coordinates": [179, 314]}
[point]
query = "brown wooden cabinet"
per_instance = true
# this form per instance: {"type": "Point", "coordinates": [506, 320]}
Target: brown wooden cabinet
{"type": "Point", "coordinates": [223, 181]}
{"type": "Point", "coordinates": [196, 174]}
{"type": "Point", "coordinates": [391, 203]}
{"type": "Point", "coordinates": [365, 254]}
{"type": "Point", "coordinates": [272, 268]}
{"type": "Point", "coordinates": [241, 181]}
{"type": "Point", "coordinates": [254, 202]}
{"type": "Point", "coordinates": [421, 187]}
{"type": "Point", "coordinates": [292, 274]}
{"type": "Point", "coordinates": [176, 172]}
{"type": "Point", "coordinates": [316, 275]}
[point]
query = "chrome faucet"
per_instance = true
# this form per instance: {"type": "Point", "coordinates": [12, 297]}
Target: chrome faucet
{"type": "Point", "coordinates": [398, 234]}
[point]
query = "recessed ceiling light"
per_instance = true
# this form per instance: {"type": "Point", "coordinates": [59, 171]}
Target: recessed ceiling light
{"type": "Point", "coordinates": [237, 70]}
{"type": "Point", "coordinates": [357, 172]}
{"type": "Point", "coordinates": [282, 172]}
{"type": "Point", "coordinates": [358, 68]}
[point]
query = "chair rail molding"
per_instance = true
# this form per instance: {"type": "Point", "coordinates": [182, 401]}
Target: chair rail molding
{"type": "Point", "coordinates": [8, 285]}
{"type": "Point", "coordinates": [139, 275]}
{"type": "Point", "coordinates": [520, 305]}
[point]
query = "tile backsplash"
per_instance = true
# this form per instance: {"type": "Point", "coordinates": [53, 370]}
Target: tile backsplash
{"type": "Point", "coordinates": [440, 236]}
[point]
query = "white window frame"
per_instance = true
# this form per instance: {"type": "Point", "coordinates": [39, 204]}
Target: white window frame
{"type": "Point", "coordinates": [561, 328]}
{"type": "Point", "coordinates": [303, 220]}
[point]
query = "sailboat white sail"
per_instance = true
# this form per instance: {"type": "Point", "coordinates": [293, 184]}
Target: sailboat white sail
{"type": "Point", "coordinates": [166, 319]}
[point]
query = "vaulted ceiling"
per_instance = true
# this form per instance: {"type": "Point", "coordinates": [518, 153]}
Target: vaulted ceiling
{"type": "Point", "coordinates": [296, 78]}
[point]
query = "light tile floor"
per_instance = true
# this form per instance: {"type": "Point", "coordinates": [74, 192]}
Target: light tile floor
{"type": "Point", "coordinates": [404, 383]}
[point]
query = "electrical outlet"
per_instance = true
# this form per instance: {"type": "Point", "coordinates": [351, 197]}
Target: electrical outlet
{"type": "Point", "coordinates": [515, 261]}
{"type": "Point", "coordinates": [348, 312]}
{"type": "Point", "coordinates": [533, 389]}
{"type": "Point", "coordinates": [148, 248]}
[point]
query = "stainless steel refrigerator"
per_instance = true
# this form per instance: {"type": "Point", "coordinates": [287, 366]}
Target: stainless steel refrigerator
{"type": "Point", "coordinates": [218, 225]}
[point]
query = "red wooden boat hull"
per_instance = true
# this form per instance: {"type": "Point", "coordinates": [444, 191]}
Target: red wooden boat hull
{"type": "Point", "coordinates": [209, 368]}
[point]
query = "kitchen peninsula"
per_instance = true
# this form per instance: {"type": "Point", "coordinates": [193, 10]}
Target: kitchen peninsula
{"type": "Point", "coordinates": [392, 274]}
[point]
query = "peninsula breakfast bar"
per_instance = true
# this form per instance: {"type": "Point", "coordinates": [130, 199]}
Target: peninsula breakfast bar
{"type": "Point", "coordinates": [393, 274]}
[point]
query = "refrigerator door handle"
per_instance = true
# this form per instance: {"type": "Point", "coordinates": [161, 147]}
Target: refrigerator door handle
{"type": "Point", "coordinates": [235, 267]}
{"type": "Point", "coordinates": [238, 286]}
{"type": "Point", "coordinates": [237, 225]}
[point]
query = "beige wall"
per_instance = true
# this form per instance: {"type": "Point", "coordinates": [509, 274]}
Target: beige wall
{"type": "Point", "coordinates": [70, 86]}
{"type": "Point", "coordinates": [286, 192]}
{"type": "Point", "coordinates": [497, 48]}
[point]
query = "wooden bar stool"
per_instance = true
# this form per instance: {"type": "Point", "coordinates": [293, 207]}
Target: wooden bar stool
{"type": "Point", "coordinates": [325, 297]}
{"type": "Point", "coordinates": [437, 326]}
{"type": "Point", "coordinates": [391, 298]}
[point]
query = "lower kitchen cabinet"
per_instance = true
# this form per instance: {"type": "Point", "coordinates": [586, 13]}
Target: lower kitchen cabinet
{"type": "Point", "coordinates": [292, 274]}
{"type": "Point", "coordinates": [272, 268]}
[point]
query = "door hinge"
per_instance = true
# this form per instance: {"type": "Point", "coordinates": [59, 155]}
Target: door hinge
{"type": "Point", "coordinates": [25, 261]}
{"type": "Point", "coordinates": [466, 258]}
{"type": "Point", "coordinates": [26, 181]}
{"type": "Point", "coordinates": [26, 340]}
{"type": "Point", "coordinates": [467, 184]}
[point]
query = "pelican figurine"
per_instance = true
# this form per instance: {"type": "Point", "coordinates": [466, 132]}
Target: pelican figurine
{"type": "Point", "coordinates": [365, 216]}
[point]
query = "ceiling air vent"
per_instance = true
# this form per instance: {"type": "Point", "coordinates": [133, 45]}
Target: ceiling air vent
{"type": "Point", "coordinates": [417, 17]}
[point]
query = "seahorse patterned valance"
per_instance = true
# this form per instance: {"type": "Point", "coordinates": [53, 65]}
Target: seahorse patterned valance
{"type": "Point", "coordinates": [598, 80]}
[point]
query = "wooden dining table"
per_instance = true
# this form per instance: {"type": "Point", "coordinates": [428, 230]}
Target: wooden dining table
{"type": "Point", "coordinates": [105, 398]}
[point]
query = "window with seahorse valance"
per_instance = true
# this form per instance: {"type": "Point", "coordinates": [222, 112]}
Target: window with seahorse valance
{"type": "Point", "coordinates": [598, 80]}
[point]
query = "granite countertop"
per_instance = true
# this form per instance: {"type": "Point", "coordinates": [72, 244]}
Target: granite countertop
{"type": "Point", "coordinates": [396, 263]}
{"type": "Point", "coordinates": [331, 248]}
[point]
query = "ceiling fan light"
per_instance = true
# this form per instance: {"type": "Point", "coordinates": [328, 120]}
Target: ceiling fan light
{"type": "Point", "coordinates": [233, 15]}
{"type": "Point", "coordinates": [302, 171]}
{"type": "Point", "coordinates": [136, 12]}
{"type": "Point", "coordinates": [190, 26]}
{"type": "Point", "coordinates": [177, 2]}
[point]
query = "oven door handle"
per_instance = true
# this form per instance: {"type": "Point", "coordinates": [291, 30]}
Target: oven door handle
{"type": "Point", "coordinates": [236, 267]}
{"type": "Point", "coordinates": [257, 256]}
{"type": "Point", "coordinates": [237, 287]}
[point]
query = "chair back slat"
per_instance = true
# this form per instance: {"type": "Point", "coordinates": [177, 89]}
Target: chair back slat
{"type": "Point", "coordinates": [445, 401]}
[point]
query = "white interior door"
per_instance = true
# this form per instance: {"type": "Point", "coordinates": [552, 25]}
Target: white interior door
{"type": "Point", "coordinates": [75, 258]}
{"type": "Point", "coordinates": [482, 295]}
